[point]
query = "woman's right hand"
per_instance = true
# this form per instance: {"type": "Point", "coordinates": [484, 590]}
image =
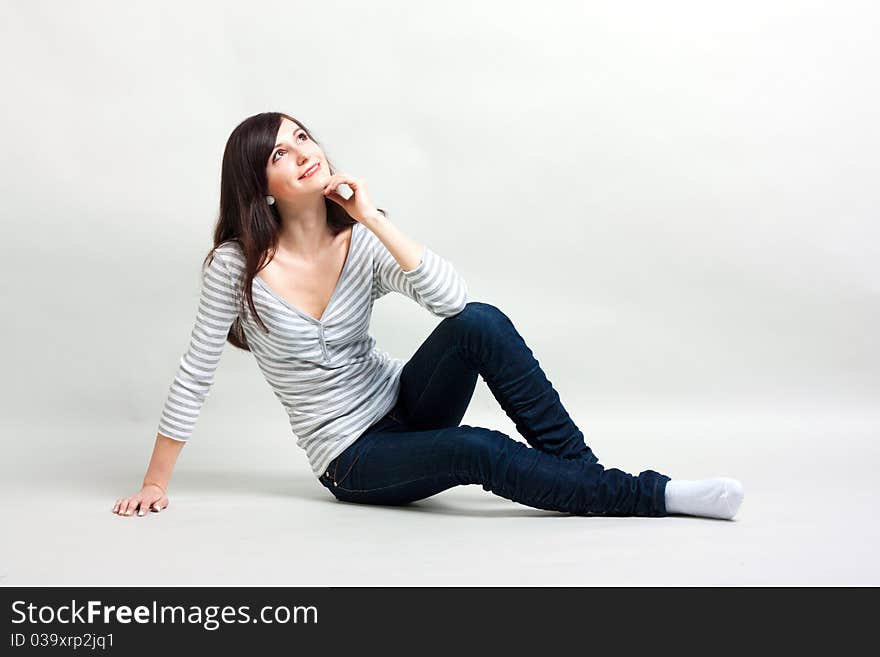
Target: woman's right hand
{"type": "Point", "coordinates": [151, 497]}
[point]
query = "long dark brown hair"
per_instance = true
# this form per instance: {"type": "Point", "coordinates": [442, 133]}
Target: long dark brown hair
{"type": "Point", "coordinates": [245, 217]}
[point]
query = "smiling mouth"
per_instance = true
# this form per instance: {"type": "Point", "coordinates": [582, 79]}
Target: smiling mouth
{"type": "Point", "coordinates": [311, 171]}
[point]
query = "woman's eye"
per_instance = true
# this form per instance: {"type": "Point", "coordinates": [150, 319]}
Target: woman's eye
{"type": "Point", "coordinates": [281, 150]}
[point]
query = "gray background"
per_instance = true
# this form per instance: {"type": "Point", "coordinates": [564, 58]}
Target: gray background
{"type": "Point", "coordinates": [676, 203]}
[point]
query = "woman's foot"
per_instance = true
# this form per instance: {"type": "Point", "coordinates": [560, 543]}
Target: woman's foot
{"type": "Point", "coordinates": [719, 497]}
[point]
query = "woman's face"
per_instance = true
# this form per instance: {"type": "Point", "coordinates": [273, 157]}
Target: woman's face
{"type": "Point", "coordinates": [295, 153]}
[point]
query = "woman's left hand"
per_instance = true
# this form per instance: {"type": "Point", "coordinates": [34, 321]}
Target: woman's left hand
{"type": "Point", "coordinates": [359, 206]}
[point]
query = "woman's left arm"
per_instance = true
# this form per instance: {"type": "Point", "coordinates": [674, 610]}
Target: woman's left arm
{"type": "Point", "coordinates": [401, 263]}
{"type": "Point", "coordinates": [408, 253]}
{"type": "Point", "coordinates": [433, 283]}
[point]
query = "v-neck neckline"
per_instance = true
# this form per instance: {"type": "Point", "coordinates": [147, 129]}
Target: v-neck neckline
{"type": "Point", "coordinates": [327, 308]}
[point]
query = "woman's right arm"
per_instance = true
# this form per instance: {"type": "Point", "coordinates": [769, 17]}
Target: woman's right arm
{"type": "Point", "coordinates": [152, 495]}
{"type": "Point", "coordinates": [218, 308]}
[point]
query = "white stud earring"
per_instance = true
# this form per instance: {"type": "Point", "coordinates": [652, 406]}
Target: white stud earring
{"type": "Point", "coordinates": [270, 200]}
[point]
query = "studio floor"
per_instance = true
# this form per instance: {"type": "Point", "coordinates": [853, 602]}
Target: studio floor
{"type": "Point", "coordinates": [240, 518]}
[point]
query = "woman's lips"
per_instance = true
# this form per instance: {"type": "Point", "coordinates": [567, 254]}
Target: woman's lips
{"type": "Point", "coordinates": [311, 171]}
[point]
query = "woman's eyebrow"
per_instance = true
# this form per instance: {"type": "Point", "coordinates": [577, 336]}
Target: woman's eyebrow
{"type": "Point", "coordinates": [292, 135]}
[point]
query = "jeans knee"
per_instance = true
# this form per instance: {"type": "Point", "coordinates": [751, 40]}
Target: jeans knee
{"type": "Point", "coordinates": [481, 439]}
{"type": "Point", "coordinates": [480, 315]}
{"type": "Point", "coordinates": [480, 450]}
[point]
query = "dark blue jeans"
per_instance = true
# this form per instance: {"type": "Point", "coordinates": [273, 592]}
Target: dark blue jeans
{"type": "Point", "coordinates": [419, 449]}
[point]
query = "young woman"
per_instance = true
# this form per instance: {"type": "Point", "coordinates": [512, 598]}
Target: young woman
{"type": "Point", "coordinates": [292, 278]}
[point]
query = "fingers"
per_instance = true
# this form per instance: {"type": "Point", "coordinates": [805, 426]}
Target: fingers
{"type": "Point", "coordinates": [333, 196]}
{"type": "Point", "coordinates": [136, 505]}
{"type": "Point", "coordinates": [125, 507]}
{"type": "Point", "coordinates": [330, 189]}
{"type": "Point", "coordinates": [338, 179]}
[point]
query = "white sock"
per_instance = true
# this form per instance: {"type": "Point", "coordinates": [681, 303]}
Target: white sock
{"type": "Point", "coordinates": [719, 497]}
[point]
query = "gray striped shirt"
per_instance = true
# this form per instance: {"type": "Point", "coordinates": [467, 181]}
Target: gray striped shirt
{"type": "Point", "coordinates": [329, 375]}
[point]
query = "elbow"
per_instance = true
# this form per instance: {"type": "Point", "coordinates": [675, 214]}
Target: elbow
{"type": "Point", "coordinates": [454, 307]}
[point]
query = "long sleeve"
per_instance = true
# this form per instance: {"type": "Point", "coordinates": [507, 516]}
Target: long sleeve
{"type": "Point", "coordinates": [218, 308]}
{"type": "Point", "coordinates": [434, 284]}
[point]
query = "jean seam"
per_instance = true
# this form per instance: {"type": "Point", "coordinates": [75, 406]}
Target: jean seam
{"type": "Point", "coordinates": [372, 490]}
{"type": "Point", "coordinates": [347, 472]}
